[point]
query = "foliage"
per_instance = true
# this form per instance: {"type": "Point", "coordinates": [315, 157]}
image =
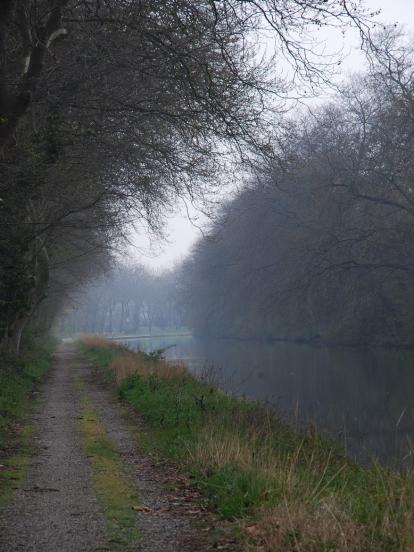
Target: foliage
{"type": "Point", "coordinates": [156, 354]}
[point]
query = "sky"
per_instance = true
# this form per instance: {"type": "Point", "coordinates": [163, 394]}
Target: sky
{"type": "Point", "coordinates": [182, 227]}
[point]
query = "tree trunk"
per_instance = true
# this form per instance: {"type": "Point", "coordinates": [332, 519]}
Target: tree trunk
{"type": "Point", "coordinates": [15, 339]}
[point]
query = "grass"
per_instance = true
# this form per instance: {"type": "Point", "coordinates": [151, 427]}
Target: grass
{"type": "Point", "coordinates": [110, 483]}
{"type": "Point", "coordinates": [18, 375]}
{"type": "Point", "coordinates": [289, 490]}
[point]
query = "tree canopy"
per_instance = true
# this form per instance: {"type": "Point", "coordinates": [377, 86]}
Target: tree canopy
{"type": "Point", "coordinates": [109, 108]}
{"type": "Point", "coordinates": [320, 247]}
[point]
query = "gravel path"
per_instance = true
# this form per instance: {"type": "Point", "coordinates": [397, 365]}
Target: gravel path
{"type": "Point", "coordinates": [168, 521]}
{"type": "Point", "coordinates": [56, 509]}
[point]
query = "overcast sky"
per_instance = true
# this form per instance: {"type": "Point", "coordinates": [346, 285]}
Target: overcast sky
{"type": "Point", "coordinates": [181, 232]}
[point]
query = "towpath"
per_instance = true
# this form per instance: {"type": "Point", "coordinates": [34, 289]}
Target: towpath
{"type": "Point", "coordinates": [58, 507]}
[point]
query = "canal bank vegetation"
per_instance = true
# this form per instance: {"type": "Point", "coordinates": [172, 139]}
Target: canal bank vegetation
{"type": "Point", "coordinates": [281, 488]}
{"type": "Point", "coordinates": [18, 378]}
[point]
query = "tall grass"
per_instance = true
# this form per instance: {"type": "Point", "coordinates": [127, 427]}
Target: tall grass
{"type": "Point", "coordinates": [289, 490]}
{"type": "Point", "coordinates": [123, 363]}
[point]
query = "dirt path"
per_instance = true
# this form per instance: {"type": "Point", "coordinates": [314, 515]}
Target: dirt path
{"type": "Point", "coordinates": [57, 510]}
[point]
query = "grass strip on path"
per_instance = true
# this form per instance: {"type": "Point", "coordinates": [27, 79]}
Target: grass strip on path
{"type": "Point", "coordinates": [289, 490]}
{"type": "Point", "coordinates": [18, 376]}
{"type": "Point", "coordinates": [113, 489]}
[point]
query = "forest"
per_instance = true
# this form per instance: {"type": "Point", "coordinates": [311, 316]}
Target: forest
{"type": "Point", "coordinates": [128, 300]}
{"type": "Point", "coordinates": [253, 393]}
{"type": "Point", "coordinates": [317, 245]}
{"type": "Point", "coordinates": [110, 110]}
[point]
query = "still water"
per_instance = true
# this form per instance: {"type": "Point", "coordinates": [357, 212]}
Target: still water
{"type": "Point", "coordinates": [364, 399]}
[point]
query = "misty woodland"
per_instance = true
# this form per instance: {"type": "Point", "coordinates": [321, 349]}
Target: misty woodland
{"type": "Point", "coordinates": [113, 113]}
{"type": "Point", "coordinates": [109, 110]}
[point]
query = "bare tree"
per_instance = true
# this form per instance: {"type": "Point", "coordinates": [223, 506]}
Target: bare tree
{"type": "Point", "coordinates": [321, 247]}
{"type": "Point", "coordinates": [108, 109]}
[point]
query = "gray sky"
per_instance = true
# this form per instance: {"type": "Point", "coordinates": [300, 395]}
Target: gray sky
{"type": "Point", "coordinates": [181, 233]}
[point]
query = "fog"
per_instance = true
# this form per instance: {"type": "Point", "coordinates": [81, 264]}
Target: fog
{"type": "Point", "coordinates": [184, 226]}
{"type": "Point", "coordinates": [232, 170]}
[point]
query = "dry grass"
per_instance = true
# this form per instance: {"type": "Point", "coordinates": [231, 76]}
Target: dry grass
{"type": "Point", "coordinates": [97, 341]}
{"type": "Point", "coordinates": [302, 527]}
{"type": "Point", "coordinates": [323, 527]}
{"type": "Point", "coordinates": [218, 448]}
{"type": "Point", "coordinates": [127, 365]}
{"type": "Point", "coordinates": [303, 510]}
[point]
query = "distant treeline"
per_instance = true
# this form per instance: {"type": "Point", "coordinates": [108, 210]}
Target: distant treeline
{"type": "Point", "coordinates": [321, 247]}
{"type": "Point", "coordinates": [127, 300]}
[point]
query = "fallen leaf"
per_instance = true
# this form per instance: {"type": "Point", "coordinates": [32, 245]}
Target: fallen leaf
{"type": "Point", "coordinates": [145, 509]}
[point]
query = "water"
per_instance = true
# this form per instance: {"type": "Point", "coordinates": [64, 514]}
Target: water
{"type": "Point", "coordinates": [364, 399]}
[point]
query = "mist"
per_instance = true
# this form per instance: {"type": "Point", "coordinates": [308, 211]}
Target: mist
{"type": "Point", "coordinates": [206, 275]}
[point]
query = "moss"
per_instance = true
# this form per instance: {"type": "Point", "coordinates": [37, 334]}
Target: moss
{"type": "Point", "coordinates": [112, 487]}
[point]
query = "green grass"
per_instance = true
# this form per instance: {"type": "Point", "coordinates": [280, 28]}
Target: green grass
{"type": "Point", "coordinates": [113, 489]}
{"type": "Point", "coordinates": [103, 357]}
{"type": "Point", "coordinates": [17, 379]}
{"type": "Point", "coordinates": [296, 489]}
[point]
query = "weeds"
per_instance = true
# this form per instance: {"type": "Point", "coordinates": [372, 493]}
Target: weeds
{"type": "Point", "coordinates": [156, 354]}
{"type": "Point", "coordinates": [291, 490]}
{"type": "Point", "coordinates": [17, 377]}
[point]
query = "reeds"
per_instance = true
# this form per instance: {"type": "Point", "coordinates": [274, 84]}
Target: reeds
{"type": "Point", "coordinates": [130, 364]}
{"type": "Point", "coordinates": [125, 363]}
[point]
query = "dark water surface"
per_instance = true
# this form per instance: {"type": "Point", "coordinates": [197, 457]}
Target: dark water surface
{"type": "Point", "coordinates": [364, 399]}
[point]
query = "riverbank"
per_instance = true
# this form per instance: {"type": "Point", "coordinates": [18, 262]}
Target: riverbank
{"type": "Point", "coordinates": [282, 489]}
{"type": "Point", "coordinates": [18, 379]}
